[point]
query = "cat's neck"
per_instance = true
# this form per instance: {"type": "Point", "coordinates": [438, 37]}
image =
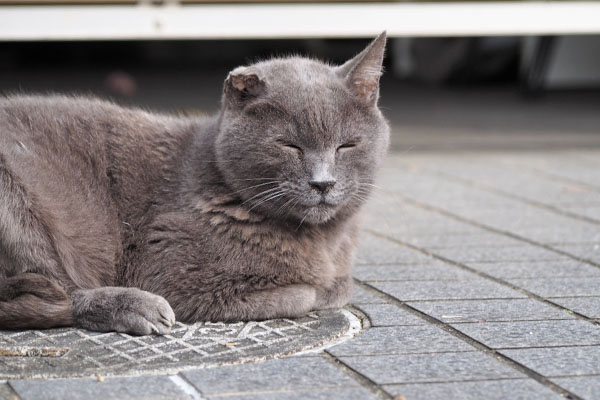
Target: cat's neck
{"type": "Point", "coordinates": [198, 170]}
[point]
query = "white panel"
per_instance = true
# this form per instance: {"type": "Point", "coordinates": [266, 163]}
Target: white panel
{"type": "Point", "coordinates": [210, 21]}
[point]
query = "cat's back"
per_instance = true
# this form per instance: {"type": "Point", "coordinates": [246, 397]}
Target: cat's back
{"type": "Point", "coordinates": [57, 144]}
{"type": "Point", "coordinates": [60, 120]}
{"type": "Point", "coordinates": [84, 138]}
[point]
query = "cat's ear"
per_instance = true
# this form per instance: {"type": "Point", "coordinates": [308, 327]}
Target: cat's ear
{"type": "Point", "coordinates": [362, 72]}
{"type": "Point", "coordinates": [242, 84]}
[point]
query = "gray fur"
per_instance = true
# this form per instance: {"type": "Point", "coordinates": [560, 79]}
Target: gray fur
{"type": "Point", "coordinates": [105, 211]}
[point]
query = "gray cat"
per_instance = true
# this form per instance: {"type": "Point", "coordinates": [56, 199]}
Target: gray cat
{"type": "Point", "coordinates": [116, 219]}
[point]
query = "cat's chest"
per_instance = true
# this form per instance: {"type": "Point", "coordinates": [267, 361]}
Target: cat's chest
{"type": "Point", "coordinates": [239, 238]}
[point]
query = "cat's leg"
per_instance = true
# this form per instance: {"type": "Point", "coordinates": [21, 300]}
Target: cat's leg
{"type": "Point", "coordinates": [335, 296]}
{"type": "Point", "coordinates": [25, 238]}
{"type": "Point", "coordinates": [32, 284]}
{"type": "Point", "coordinates": [282, 302]}
{"type": "Point", "coordinates": [120, 309]}
{"type": "Point", "coordinates": [30, 301]}
{"type": "Point", "coordinates": [33, 301]}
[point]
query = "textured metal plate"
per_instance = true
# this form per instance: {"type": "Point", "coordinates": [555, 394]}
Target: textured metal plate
{"type": "Point", "coordinates": [75, 352]}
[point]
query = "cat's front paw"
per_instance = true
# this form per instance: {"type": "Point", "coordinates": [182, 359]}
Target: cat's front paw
{"type": "Point", "coordinates": [145, 314]}
{"type": "Point", "coordinates": [335, 296]}
{"type": "Point", "coordinates": [127, 310]}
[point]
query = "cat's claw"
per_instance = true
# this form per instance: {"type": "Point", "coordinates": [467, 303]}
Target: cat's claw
{"type": "Point", "coordinates": [148, 318]}
{"type": "Point", "coordinates": [167, 317]}
{"type": "Point", "coordinates": [160, 316]}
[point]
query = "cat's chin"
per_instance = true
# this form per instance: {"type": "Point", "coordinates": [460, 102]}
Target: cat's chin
{"type": "Point", "coordinates": [318, 214]}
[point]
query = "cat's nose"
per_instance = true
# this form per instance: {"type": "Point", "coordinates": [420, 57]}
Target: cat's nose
{"type": "Point", "coordinates": [322, 186]}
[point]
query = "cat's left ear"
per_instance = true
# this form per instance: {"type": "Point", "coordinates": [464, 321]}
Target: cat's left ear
{"type": "Point", "coordinates": [242, 84]}
{"type": "Point", "coordinates": [362, 72]}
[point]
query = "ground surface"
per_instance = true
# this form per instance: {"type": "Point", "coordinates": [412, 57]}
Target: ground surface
{"type": "Point", "coordinates": [480, 273]}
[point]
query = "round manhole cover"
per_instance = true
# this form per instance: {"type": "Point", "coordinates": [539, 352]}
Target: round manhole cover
{"type": "Point", "coordinates": [75, 352]}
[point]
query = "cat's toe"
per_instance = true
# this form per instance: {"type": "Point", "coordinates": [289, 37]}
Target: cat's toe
{"type": "Point", "coordinates": [167, 316]}
{"type": "Point", "coordinates": [159, 314]}
{"type": "Point", "coordinates": [135, 324]}
{"type": "Point", "coordinates": [150, 314]}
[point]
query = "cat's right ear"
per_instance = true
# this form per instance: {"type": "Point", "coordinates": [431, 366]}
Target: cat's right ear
{"type": "Point", "coordinates": [362, 72]}
{"type": "Point", "coordinates": [243, 85]}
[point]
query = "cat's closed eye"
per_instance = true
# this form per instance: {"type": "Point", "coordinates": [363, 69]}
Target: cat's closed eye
{"type": "Point", "coordinates": [346, 146]}
{"type": "Point", "coordinates": [293, 147]}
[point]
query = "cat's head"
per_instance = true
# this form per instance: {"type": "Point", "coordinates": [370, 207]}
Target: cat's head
{"type": "Point", "coordinates": [300, 139]}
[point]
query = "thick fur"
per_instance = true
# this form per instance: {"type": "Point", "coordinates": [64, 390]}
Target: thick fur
{"type": "Point", "coordinates": [105, 212]}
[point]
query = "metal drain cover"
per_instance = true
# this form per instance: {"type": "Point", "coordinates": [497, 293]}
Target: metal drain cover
{"type": "Point", "coordinates": [74, 352]}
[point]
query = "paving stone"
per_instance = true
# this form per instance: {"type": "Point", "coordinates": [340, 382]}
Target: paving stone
{"type": "Point", "coordinates": [362, 296]}
{"type": "Point", "coordinates": [281, 374]}
{"type": "Point", "coordinates": [514, 389]}
{"type": "Point", "coordinates": [490, 310]}
{"type": "Point", "coordinates": [576, 171]}
{"type": "Point", "coordinates": [406, 232]}
{"type": "Point", "coordinates": [560, 234]}
{"type": "Point", "coordinates": [588, 306]}
{"type": "Point", "coordinates": [401, 340]}
{"type": "Point", "coordinates": [511, 180]}
{"type": "Point", "coordinates": [587, 211]}
{"type": "Point", "coordinates": [402, 220]}
{"type": "Point", "coordinates": [375, 250]}
{"type": "Point", "coordinates": [538, 269]}
{"type": "Point", "coordinates": [308, 394]}
{"type": "Point", "coordinates": [564, 287]}
{"type": "Point", "coordinates": [522, 218]}
{"type": "Point", "coordinates": [478, 238]}
{"type": "Point", "coordinates": [586, 387]}
{"type": "Point", "coordinates": [389, 315]}
{"type": "Point", "coordinates": [411, 272]}
{"type": "Point", "coordinates": [559, 361]}
{"type": "Point", "coordinates": [497, 254]}
{"type": "Point", "coordinates": [433, 367]}
{"type": "Point", "coordinates": [447, 290]}
{"type": "Point", "coordinates": [499, 335]}
{"type": "Point", "coordinates": [589, 251]}
{"type": "Point", "coordinates": [6, 393]}
{"type": "Point", "coordinates": [144, 387]}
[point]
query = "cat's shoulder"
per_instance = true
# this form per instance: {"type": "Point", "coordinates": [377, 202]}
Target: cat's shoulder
{"type": "Point", "coordinates": [81, 106]}
{"type": "Point", "coordinates": [56, 100]}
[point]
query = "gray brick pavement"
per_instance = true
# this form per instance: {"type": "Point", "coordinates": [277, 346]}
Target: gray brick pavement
{"type": "Point", "coordinates": [588, 306]}
{"type": "Point", "coordinates": [567, 268]}
{"type": "Point", "coordinates": [389, 315]}
{"type": "Point", "coordinates": [514, 389]}
{"type": "Point", "coordinates": [500, 335]}
{"type": "Point", "coordinates": [288, 374]}
{"type": "Point", "coordinates": [6, 392]}
{"type": "Point", "coordinates": [559, 361]}
{"type": "Point", "coordinates": [444, 290]}
{"type": "Point", "coordinates": [412, 272]}
{"type": "Point", "coordinates": [138, 388]}
{"type": "Point", "coordinates": [307, 393]}
{"type": "Point", "coordinates": [490, 310]}
{"type": "Point", "coordinates": [587, 387]}
{"type": "Point", "coordinates": [433, 367]}
{"type": "Point", "coordinates": [560, 287]}
{"type": "Point", "coordinates": [401, 340]}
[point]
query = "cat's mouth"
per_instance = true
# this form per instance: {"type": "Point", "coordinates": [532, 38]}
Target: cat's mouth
{"type": "Point", "coordinates": [320, 212]}
{"type": "Point", "coordinates": [325, 204]}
